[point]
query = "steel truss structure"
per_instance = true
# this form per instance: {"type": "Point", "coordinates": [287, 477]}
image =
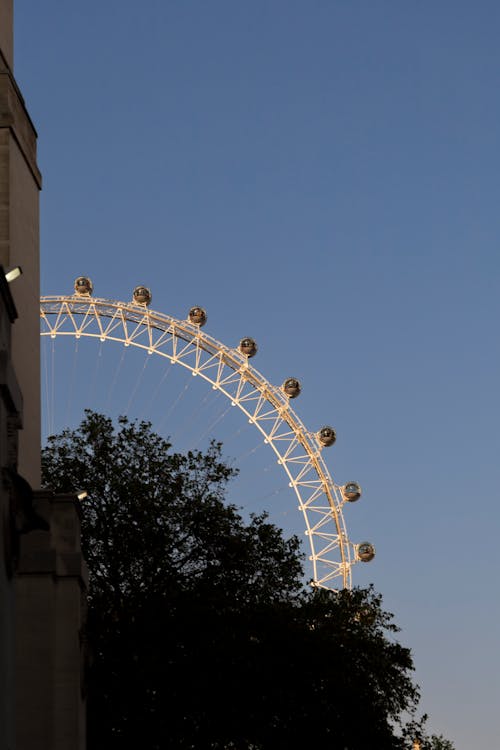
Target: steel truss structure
{"type": "Point", "coordinates": [266, 406]}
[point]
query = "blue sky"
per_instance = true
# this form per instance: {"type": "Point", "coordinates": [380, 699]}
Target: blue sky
{"type": "Point", "coordinates": [323, 176]}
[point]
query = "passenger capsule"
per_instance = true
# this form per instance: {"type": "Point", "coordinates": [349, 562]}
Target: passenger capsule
{"type": "Point", "coordinates": [365, 551]}
{"type": "Point", "coordinates": [142, 295]}
{"type": "Point", "coordinates": [248, 347]}
{"type": "Point", "coordinates": [83, 286]}
{"type": "Point", "coordinates": [197, 316]}
{"type": "Point", "coordinates": [291, 387]}
{"type": "Point", "coordinates": [351, 492]}
{"type": "Point", "coordinates": [327, 436]}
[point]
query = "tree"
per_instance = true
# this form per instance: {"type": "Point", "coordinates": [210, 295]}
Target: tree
{"type": "Point", "coordinates": [201, 632]}
{"type": "Point", "coordinates": [416, 736]}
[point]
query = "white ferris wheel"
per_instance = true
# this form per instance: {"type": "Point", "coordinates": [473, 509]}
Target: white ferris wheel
{"type": "Point", "coordinates": [267, 407]}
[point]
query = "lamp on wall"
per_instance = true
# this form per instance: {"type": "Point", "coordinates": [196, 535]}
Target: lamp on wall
{"type": "Point", "coordinates": [14, 273]}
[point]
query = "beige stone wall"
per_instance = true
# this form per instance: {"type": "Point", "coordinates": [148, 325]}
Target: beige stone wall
{"type": "Point", "coordinates": [6, 33]}
{"type": "Point", "coordinates": [7, 667]}
{"type": "Point", "coordinates": [25, 252]}
{"type": "Point", "coordinates": [20, 182]}
{"type": "Point", "coordinates": [42, 572]}
{"type": "Point", "coordinates": [4, 192]}
{"type": "Point", "coordinates": [51, 582]}
{"type": "Point", "coordinates": [10, 409]}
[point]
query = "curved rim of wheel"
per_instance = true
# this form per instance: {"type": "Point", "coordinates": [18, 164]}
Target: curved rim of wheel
{"type": "Point", "coordinates": [266, 406]}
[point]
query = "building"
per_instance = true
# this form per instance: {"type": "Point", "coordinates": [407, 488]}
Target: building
{"type": "Point", "coordinates": [42, 573]}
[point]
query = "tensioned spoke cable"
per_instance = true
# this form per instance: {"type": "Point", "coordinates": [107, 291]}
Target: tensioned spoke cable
{"type": "Point", "coordinates": [207, 401]}
{"type": "Point", "coordinates": [249, 453]}
{"type": "Point", "coordinates": [45, 368]}
{"type": "Point", "coordinates": [137, 385]}
{"type": "Point", "coordinates": [273, 493]}
{"type": "Point", "coordinates": [71, 386]}
{"type": "Point", "coordinates": [114, 380]}
{"type": "Point", "coordinates": [256, 498]}
{"type": "Point", "coordinates": [244, 477]}
{"type": "Point", "coordinates": [238, 432]}
{"type": "Point", "coordinates": [53, 386]}
{"type": "Point", "coordinates": [91, 389]}
{"type": "Point", "coordinates": [211, 426]}
{"type": "Point", "coordinates": [156, 392]}
{"type": "Point", "coordinates": [174, 405]}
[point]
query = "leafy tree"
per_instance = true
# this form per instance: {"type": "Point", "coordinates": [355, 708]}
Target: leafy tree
{"type": "Point", "coordinates": [416, 737]}
{"type": "Point", "coordinates": [201, 632]}
{"type": "Point", "coordinates": [155, 521]}
{"type": "Point", "coordinates": [437, 742]}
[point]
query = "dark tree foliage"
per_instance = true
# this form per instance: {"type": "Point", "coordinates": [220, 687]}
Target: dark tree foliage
{"type": "Point", "coordinates": [416, 736]}
{"type": "Point", "coordinates": [200, 631]}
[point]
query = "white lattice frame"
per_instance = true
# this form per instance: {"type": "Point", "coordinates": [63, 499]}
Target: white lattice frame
{"type": "Point", "coordinates": [266, 406]}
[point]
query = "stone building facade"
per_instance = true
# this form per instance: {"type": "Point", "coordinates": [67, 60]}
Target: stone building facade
{"type": "Point", "coordinates": [20, 184]}
{"type": "Point", "coordinates": [10, 421]}
{"type": "Point", "coordinates": [42, 572]}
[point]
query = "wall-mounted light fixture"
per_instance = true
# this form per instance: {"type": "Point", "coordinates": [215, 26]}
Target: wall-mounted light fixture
{"type": "Point", "coordinates": [14, 273]}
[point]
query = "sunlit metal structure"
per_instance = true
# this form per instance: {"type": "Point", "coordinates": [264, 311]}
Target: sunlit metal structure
{"type": "Point", "coordinates": [267, 407]}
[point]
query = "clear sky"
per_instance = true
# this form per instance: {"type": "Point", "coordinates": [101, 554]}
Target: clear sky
{"type": "Point", "coordinates": [323, 176]}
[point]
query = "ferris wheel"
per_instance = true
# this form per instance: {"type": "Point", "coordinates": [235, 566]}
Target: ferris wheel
{"type": "Point", "coordinates": [267, 407]}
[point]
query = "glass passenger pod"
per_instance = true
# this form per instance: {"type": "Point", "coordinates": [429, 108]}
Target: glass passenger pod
{"type": "Point", "coordinates": [197, 316]}
{"type": "Point", "coordinates": [83, 286]}
{"type": "Point", "coordinates": [142, 295]}
{"type": "Point", "coordinates": [248, 347]}
{"type": "Point", "coordinates": [291, 387]}
{"type": "Point", "coordinates": [327, 436]}
{"type": "Point", "coordinates": [351, 492]}
{"type": "Point", "coordinates": [365, 551]}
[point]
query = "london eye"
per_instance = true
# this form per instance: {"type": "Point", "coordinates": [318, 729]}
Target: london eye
{"type": "Point", "coordinates": [298, 450]}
